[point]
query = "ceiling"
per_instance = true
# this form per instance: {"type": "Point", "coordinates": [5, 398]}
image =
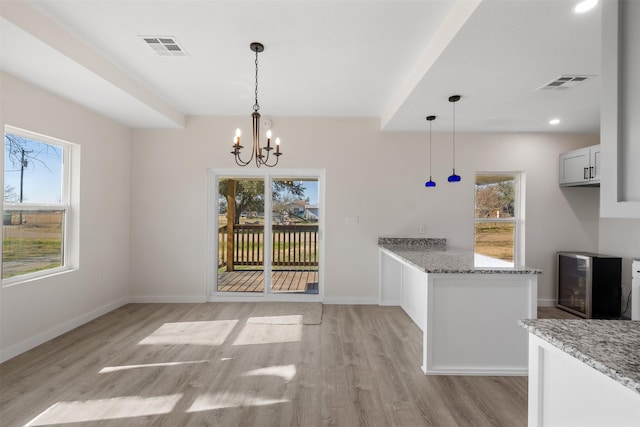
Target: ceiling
{"type": "Point", "coordinates": [396, 60]}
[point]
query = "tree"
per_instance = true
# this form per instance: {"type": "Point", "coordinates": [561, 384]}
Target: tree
{"type": "Point", "coordinates": [10, 194]}
{"type": "Point", "coordinates": [507, 195]}
{"type": "Point", "coordinates": [288, 190]}
{"type": "Point", "coordinates": [495, 200]}
{"type": "Point", "coordinates": [23, 152]}
{"type": "Point", "coordinates": [249, 195]}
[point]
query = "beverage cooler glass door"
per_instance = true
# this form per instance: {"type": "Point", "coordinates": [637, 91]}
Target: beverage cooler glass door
{"type": "Point", "coordinates": [574, 283]}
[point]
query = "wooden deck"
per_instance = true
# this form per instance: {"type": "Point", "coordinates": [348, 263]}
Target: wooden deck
{"type": "Point", "coordinates": [281, 281]}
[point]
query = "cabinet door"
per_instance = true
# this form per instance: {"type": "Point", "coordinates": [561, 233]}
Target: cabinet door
{"type": "Point", "coordinates": [574, 167]}
{"type": "Point", "coordinates": [594, 164]}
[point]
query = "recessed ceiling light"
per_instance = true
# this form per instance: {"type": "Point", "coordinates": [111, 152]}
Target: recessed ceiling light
{"type": "Point", "coordinates": [585, 6]}
{"type": "Point", "coordinates": [554, 121]}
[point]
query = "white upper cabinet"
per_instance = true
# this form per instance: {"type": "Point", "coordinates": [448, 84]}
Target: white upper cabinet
{"type": "Point", "coordinates": [580, 167]}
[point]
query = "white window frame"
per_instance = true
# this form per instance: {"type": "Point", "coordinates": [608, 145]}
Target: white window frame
{"type": "Point", "coordinates": [269, 176]}
{"type": "Point", "coordinates": [64, 205]}
{"type": "Point", "coordinates": [517, 220]}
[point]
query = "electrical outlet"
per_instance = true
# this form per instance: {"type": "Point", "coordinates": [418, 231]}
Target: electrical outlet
{"type": "Point", "coordinates": [422, 229]}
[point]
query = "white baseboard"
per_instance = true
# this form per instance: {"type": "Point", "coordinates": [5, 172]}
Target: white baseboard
{"type": "Point", "coordinates": [351, 300]}
{"type": "Point", "coordinates": [168, 299]}
{"type": "Point", "coordinates": [58, 330]}
{"type": "Point", "coordinates": [484, 372]}
{"type": "Point", "coordinates": [546, 302]}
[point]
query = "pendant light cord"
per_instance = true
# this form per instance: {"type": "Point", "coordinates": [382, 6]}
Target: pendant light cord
{"type": "Point", "coordinates": [430, 156]}
{"type": "Point", "coordinates": [454, 136]}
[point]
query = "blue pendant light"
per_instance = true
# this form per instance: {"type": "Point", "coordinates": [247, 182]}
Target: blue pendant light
{"type": "Point", "coordinates": [430, 183]}
{"type": "Point", "coordinates": [453, 177]}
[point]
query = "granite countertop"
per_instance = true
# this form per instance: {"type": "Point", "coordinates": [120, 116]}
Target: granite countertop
{"type": "Point", "coordinates": [609, 346]}
{"type": "Point", "coordinates": [431, 256]}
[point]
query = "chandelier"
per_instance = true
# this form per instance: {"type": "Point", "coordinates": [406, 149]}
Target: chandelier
{"type": "Point", "coordinates": [259, 154]}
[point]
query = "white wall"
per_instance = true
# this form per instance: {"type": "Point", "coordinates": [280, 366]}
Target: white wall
{"type": "Point", "coordinates": [34, 312]}
{"type": "Point", "coordinates": [619, 127]}
{"type": "Point", "coordinates": [376, 176]}
{"type": "Point", "coordinates": [620, 135]}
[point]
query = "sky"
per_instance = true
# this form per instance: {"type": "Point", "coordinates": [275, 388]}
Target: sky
{"type": "Point", "coordinates": [42, 175]}
{"type": "Point", "coordinates": [311, 191]}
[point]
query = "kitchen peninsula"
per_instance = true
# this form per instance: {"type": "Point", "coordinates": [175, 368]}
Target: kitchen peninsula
{"type": "Point", "coordinates": [468, 314]}
{"type": "Point", "coordinates": [584, 372]}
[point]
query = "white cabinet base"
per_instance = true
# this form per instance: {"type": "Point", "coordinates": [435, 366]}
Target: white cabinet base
{"type": "Point", "coordinates": [472, 323]}
{"type": "Point", "coordinates": [564, 391]}
{"type": "Point", "coordinates": [469, 321]}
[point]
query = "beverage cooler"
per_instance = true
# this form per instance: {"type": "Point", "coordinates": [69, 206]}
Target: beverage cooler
{"type": "Point", "coordinates": [589, 285]}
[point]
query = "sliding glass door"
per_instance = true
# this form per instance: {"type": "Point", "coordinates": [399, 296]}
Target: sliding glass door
{"type": "Point", "coordinates": [267, 231]}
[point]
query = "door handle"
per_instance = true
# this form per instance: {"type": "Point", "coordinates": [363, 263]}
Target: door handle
{"type": "Point", "coordinates": [591, 173]}
{"type": "Point", "coordinates": [586, 173]}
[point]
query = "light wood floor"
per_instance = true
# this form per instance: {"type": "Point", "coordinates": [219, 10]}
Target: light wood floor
{"type": "Point", "coordinates": [204, 365]}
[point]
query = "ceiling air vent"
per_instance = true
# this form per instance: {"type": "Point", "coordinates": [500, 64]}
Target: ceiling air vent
{"type": "Point", "coordinates": [164, 46]}
{"type": "Point", "coordinates": [565, 82]}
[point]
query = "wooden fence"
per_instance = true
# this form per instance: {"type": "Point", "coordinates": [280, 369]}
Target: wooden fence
{"type": "Point", "coordinates": [294, 245]}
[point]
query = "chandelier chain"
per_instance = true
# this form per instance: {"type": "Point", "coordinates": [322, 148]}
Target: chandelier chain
{"type": "Point", "coordinates": [256, 106]}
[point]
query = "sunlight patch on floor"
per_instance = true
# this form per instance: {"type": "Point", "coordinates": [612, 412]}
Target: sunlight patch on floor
{"type": "Point", "coordinates": [105, 409]}
{"type": "Point", "coordinates": [209, 402]}
{"type": "Point", "coordinates": [253, 333]}
{"type": "Point", "coordinates": [211, 332]}
{"type": "Point", "coordinates": [287, 372]}
{"type": "Point", "coordinates": [108, 369]}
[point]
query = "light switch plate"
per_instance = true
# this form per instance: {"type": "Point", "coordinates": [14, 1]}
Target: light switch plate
{"type": "Point", "coordinates": [352, 220]}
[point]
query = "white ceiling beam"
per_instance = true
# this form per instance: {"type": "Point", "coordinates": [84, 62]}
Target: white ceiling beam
{"type": "Point", "coordinates": [30, 19]}
{"type": "Point", "coordinates": [459, 15]}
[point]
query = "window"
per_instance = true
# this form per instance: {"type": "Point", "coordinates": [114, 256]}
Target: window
{"type": "Point", "coordinates": [36, 205]}
{"type": "Point", "coordinates": [498, 231]}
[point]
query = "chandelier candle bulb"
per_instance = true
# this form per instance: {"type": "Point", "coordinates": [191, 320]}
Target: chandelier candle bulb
{"type": "Point", "coordinates": [269, 139]}
{"type": "Point", "coordinates": [277, 145]}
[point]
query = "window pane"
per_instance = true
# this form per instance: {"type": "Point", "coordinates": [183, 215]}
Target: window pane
{"type": "Point", "coordinates": [495, 196]}
{"type": "Point", "coordinates": [32, 241]}
{"type": "Point", "coordinates": [495, 239]}
{"type": "Point", "coordinates": [241, 235]}
{"type": "Point", "coordinates": [32, 171]}
{"type": "Point", "coordinates": [294, 232]}
{"type": "Point", "coordinates": [496, 219]}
